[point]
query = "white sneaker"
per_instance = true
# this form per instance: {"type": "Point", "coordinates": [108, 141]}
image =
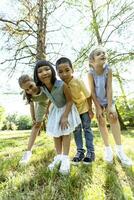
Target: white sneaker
{"type": "Point", "coordinates": [108, 154]}
{"type": "Point", "coordinates": [65, 165]}
{"type": "Point", "coordinates": [26, 157]}
{"type": "Point", "coordinates": [123, 158]}
{"type": "Point", "coordinates": [56, 161]}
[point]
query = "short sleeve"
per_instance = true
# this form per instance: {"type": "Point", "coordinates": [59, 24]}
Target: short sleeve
{"type": "Point", "coordinates": [39, 112]}
{"type": "Point", "coordinates": [91, 71]}
{"type": "Point", "coordinates": [84, 89]}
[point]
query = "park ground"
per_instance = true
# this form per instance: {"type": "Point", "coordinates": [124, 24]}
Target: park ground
{"type": "Point", "coordinates": [99, 181]}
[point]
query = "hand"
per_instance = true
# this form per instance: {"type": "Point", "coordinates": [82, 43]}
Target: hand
{"type": "Point", "coordinates": [64, 122]}
{"type": "Point", "coordinates": [99, 113]}
{"type": "Point", "coordinates": [100, 116]}
{"type": "Point", "coordinates": [112, 112]}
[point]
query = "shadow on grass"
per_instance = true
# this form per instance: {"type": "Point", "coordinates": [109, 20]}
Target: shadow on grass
{"type": "Point", "coordinates": [113, 187]}
{"type": "Point", "coordinates": [130, 177]}
{"type": "Point", "coordinates": [36, 182]}
{"type": "Point", "coordinates": [17, 137]}
{"type": "Point", "coordinates": [10, 143]}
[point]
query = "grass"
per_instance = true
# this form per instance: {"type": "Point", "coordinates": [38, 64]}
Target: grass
{"type": "Point", "coordinates": [98, 181]}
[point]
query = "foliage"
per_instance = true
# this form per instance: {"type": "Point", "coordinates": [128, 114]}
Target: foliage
{"type": "Point", "coordinates": [2, 116]}
{"type": "Point", "coordinates": [98, 181]}
{"type": "Point", "coordinates": [24, 122]}
{"type": "Point", "coordinates": [9, 126]}
{"type": "Point", "coordinates": [17, 122]}
{"type": "Point", "coordinates": [127, 112]}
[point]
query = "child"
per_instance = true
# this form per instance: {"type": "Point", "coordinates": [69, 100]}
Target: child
{"type": "Point", "coordinates": [100, 79]}
{"type": "Point", "coordinates": [81, 98]}
{"type": "Point", "coordinates": [33, 94]}
{"type": "Point", "coordinates": [63, 116]}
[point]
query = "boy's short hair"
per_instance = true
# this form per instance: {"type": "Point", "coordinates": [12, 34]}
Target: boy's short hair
{"type": "Point", "coordinates": [64, 60]}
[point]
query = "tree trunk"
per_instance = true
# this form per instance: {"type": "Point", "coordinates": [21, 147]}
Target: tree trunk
{"type": "Point", "coordinates": [95, 23]}
{"type": "Point", "coordinates": [123, 126]}
{"type": "Point", "coordinates": [41, 27]}
{"type": "Point", "coordinates": [131, 121]}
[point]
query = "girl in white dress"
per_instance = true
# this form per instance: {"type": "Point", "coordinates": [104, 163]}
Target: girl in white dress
{"type": "Point", "coordinates": [63, 116]}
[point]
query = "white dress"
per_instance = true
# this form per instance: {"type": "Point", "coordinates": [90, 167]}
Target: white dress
{"type": "Point", "coordinates": [53, 127]}
{"type": "Point", "coordinates": [57, 109]}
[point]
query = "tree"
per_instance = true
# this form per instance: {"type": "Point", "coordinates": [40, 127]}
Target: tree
{"type": "Point", "coordinates": [107, 20]}
{"type": "Point", "coordinates": [27, 34]}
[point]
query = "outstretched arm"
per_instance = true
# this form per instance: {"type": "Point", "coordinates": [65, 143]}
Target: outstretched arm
{"type": "Point", "coordinates": [32, 112]}
{"type": "Point", "coordinates": [35, 129]}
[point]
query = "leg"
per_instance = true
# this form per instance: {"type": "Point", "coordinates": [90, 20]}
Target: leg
{"type": "Point", "coordinates": [58, 144]}
{"type": "Point", "coordinates": [65, 162]}
{"type": "Point", "coordinates": [34, 133]}
{"type": "Point", "coordinates": [108, 154]}
{"type": "Point", "coordinates": [87, 132]}
{"type": "Point", "coordinates": [79, 143]}
{"type": "Point", "coordinates": [58, 157]}
{"type": "Point", "coordinates": [103, 130]}
{"type": "Point", "coordinates": [66, 144]}
{"type": "Point", "coordinates": [78, 138]}
{"type": "Point", "coordinates": [27, 155]}
{"type": "Point", "coordinates": [90, 156]}
{"type": "Point", "coordinates": [115, 127]}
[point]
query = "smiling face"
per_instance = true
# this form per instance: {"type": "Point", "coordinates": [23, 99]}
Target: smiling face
{"type": "Point", "coordinates": [30, 87]}
{"type": "Point", "coordinates": [65, 72]}
{"type": "Point", "coordinates": [98, 57]}
{"type": "Point", "coordinates": [44, 74]}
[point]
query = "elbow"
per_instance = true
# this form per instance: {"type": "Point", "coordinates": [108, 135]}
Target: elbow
{"type": "Point", "coordinates": [71, 103]}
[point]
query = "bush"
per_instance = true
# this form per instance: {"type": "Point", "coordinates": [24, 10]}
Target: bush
{"type": "Point", "coordinates": [9, 126]}
{"type": "Point", "coordinates": [2, 116]}
{"type": "Point", "coordinates": [126, 112]}
{"type": "Point", "coordinates": [17, 122]}
{"type": "Point", "coordinates": [24, 122]}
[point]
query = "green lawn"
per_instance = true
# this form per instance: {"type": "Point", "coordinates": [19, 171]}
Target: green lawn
{"type": "Point", "coordinates": [98, 181]}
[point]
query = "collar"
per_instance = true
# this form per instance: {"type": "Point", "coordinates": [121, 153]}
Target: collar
{"type": "Point", "coordinates": [57, 83]}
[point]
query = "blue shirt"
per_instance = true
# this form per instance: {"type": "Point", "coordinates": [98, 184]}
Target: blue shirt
{"type": "Point", "coordinates": [100, 84]}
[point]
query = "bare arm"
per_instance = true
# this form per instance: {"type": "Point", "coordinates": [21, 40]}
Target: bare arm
{"type": "Point", "coordinates": [91, 84]}
{"type": "Point", "coordinates": [47, 108]}
{"type": "Point", "coordinates": [69, 102]}
{"type": "Point", "coordinates": [32, 111]}
{"type": "Point", "coordinates": [109, 89]}
{"type": "Point", "coordinates": [97, 104]}
{"type": "Point", "coordinates": [111, 109]}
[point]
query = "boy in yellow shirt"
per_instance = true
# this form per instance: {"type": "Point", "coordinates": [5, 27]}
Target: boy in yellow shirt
{"type": "Point", "coordinates": [82, 100]}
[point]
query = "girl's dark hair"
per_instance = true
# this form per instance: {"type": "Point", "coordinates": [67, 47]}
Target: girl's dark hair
{"type": "Point", "coordinates": [64, 60]}
{"type": "Point", "coordinates": [23, 79]}
{"type": "Point", "coordinates": [40, 64]}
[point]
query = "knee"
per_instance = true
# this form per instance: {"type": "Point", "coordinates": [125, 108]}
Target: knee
{"type": "Point", "coordinates": [37, 125]}
{"type": "Point", "coordinates": [113, 118]}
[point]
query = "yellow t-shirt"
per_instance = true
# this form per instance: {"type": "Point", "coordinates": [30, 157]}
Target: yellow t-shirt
{"type": "Point", "coordinates": [79, 94]}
